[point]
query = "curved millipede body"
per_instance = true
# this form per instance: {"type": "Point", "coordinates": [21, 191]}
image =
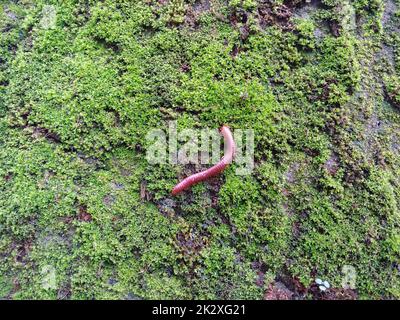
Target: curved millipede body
{"type": "Point", "coordinates": [214, 170]}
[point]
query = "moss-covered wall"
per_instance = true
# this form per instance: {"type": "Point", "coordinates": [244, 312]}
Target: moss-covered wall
{"type": "Point", "coordinates": [83, 82]}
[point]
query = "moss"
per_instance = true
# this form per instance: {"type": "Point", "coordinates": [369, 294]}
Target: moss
{"type": "Point", "coordinates": [392, 84]}
{"type": "Point", "coordinates": [80, 202]}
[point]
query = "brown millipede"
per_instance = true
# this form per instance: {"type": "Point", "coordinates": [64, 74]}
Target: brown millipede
{"type": "Point", "coordinates": [214, 170]}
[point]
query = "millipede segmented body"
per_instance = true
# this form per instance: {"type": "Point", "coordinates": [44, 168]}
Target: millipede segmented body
{"type": "Point", "coordinates": [214, 170]}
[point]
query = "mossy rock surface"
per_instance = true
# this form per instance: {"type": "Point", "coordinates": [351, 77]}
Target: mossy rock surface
{"type": "Point", "coordinates": [84, 215]}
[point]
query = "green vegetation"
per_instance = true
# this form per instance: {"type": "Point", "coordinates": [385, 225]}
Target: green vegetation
{"type": "Point", "coordinates": [81, 84]}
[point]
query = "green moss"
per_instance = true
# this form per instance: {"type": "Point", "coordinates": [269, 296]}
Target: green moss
{"type": "Point", "coordinates": [393, 89]}
{"type": "Point", "coordinates": [80, 202]}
